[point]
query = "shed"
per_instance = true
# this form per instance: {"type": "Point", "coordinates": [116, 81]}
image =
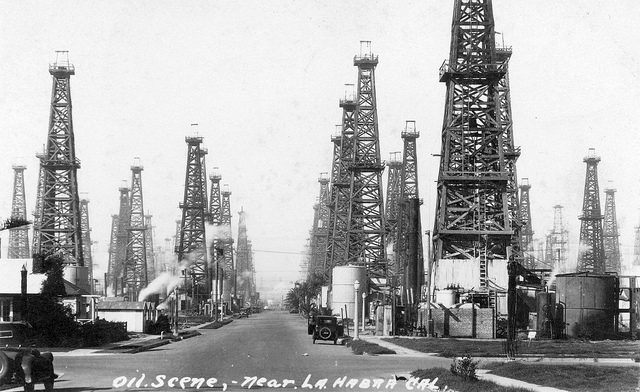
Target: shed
{"type": "Point", "coordinates": [134, 314]}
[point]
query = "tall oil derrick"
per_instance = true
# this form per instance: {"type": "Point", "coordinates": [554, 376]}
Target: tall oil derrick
{"type": "Point", "coordinates": [135, 265]}
{"type": "Point", "coordinates": [511, 155]}
{"type": "Point", "coordinates": [366, 231]}
{"type": "Point", "coordinates": [19, 236]}
{"type": "Point", "coordinates": [215, 219]}
{"type": "Point", "coordinates": [591, 252]}
{"type": "Point", "coordinates": [409, 226]}
{"type": "Point", "coordinates": [473, 217]}
{"type": "Point", "coordinates": [192, 243]}
{"type": "Point", "coordinates": [252, 272]}
{"type": "Point", "coordinates": [242, 262]}
{"type": "Point", "coordinates": [205, 180]}
{"type": "Point", "coordinates": [312, 267]}
{"type": "Point", "coordinates": [557, 242]}
{"type": "Point", "coordinates": [112, 264]}
{"type": "Point", "coordinates": [124, 214]}
{"type": "Point", "coordinates": [37, 213]}
{"type": "Point", "coordinates": [529, 259]}
{"type": "Point", "coordinates": [152, 266]}
{"type": "Point", "coordinates": [228, 286]}
{"type": "Point", "coordinates": [392, 211]}
{"type": "Point", "coordinates": [59, 229]}
{"type": "Point", "coordinates": [610, 234]}
{"type": "Point", "coordinates": [86, 240]}
{"type": "Point", "coordinates": [176, 236]}
{"type": "Point", "coordinates": [341, 182]}
{"type": "Point", "coordinates": [320, 232]}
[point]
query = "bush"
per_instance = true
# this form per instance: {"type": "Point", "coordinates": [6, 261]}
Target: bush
{"type": "Point", "coordinates": [52, 322]}
{"type": "Point", "coordinates": [465, 367]}
{"type": "Point", "coordinates": [101, 331]}
{"type": "Point", "coordinates": [160, 325]}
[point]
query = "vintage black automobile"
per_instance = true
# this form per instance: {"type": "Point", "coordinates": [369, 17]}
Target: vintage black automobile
{"type": "Point", "coordinates": [27, 367]}
{"type": "Point", "coordinates": [324, 328]}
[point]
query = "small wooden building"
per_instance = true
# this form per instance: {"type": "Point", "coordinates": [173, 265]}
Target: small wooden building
{"type": "Point", "coordinates": [134, 314]}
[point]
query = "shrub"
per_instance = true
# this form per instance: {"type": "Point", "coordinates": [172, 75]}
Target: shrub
{"type": "Point", "coordinates": [101, 331]}
{"type": "Point", "coordinates": [158, 326]}
{"type": "Point", "coordinates": [465, 367]}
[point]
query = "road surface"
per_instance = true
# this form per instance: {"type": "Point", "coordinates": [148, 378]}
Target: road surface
{"type": "Point", "coordinates": [269, 350]}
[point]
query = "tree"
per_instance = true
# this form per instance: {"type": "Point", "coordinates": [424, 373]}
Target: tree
{"type": "Point", "coordinates": [301, 296]}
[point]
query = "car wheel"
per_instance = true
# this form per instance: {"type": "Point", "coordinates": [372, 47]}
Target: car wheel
{"type": "Point", "coordinates": [314, 341]}
{"type": "Point", "coordinates": [4, 365]}
{"type": "Point", "coordinates": [335, 341]}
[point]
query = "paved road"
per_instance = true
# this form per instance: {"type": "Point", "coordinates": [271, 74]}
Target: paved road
{"type": "Point", "coordinates": [273, 345]}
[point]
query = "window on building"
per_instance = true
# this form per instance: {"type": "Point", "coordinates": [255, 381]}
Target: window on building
{"type": "Point", "coordinates": [6, 309]}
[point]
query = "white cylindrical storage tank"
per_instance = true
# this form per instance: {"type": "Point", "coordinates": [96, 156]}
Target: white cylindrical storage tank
{"type": "Point", "coordinates": [446, 297]}
{"type": "Point", "coordinates": [78, 276]}
{"type": "Point", "coordinates": [342, 289]}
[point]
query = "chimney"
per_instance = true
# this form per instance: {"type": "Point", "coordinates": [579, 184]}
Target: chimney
{"type": "Point", "coordinates": [23, 280]}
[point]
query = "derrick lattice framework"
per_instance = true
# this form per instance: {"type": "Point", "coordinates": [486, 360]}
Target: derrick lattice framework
{"type": "Point", "coordinates": [124, 214]}
{"type": "Point", "coordinates": [392, 212]}
{"type": "Point", "coordinates": [19, 236]}
{"type": "Point", "coordinates": [59, 229]}
{"type": "Point", "coordinates": [610, 234]}
{"type": "Point", "coordinates": [409, 252]}
{"type": "Point", "coordinates": [511, 155]}
{"type": "Point", "coordinates": [135, 265]}
{"type": "Point", "coordinates": [86, 240]}
{"type": "Point", "coordinates": [243, 262]}
{"type": "Point", "coordinates": [192, 241]}
{"type": "Point", "coordinates": [320, 232]}
{"type": "Point", "coordinates": [37, 213]}
{"type": "Point", "coordinates": [529, 260]}
{"type": "Point", "coordinates": [591, 253]}
{"type": "Point", "coordinates": [112, 264]}
{"type": "Point", "coordinates": [215, 219]}
{"type": "Point", "coordinates": [557, 243]}
{"type": "Point", "coordinates": [152, 270]}
{"type": "Point", "coordinates": [472, 210]}
{"type": "Point", "coordinates": [228, 286]}
{"type": "Point", "coordinates": [340, 185]}
{"type": "Point", "coordinates": [366, 231]}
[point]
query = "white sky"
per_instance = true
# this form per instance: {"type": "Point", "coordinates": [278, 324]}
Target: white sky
{"type": "Point", "coordinates": [263, 79]}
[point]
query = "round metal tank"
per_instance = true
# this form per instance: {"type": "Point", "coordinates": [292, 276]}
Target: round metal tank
{"type": "Point", "coordinates": [78, 276]}
{"type": "Point", "coordinates": [342, 291]}
{"type": "Point", "coordinates": [588, 301]}
{"type": "Point", "coordinates": [546, 311]}
{"type": "Point", "coordinates": [446, 297]}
